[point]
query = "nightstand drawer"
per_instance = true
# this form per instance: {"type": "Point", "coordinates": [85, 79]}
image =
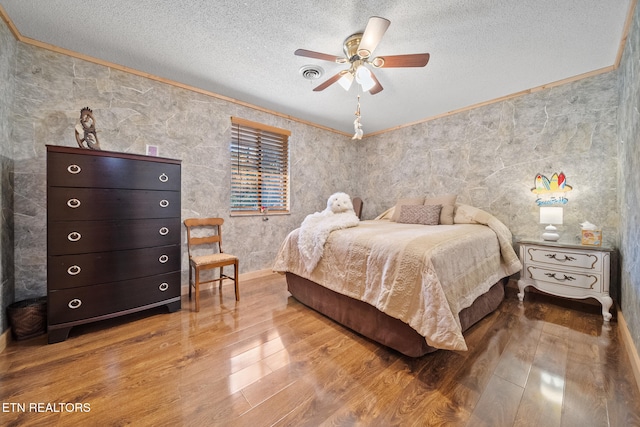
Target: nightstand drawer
{"type": "Point", "coordinates": [565, 278]}
{"type": "Point", "coordinates": [563, 258]}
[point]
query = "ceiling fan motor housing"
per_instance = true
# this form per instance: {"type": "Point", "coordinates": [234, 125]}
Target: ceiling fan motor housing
{"type": "Point", "coordinates": [350, 47]}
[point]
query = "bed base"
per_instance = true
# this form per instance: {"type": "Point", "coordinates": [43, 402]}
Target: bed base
{"type": "Point", "coordinates": [367, 320]}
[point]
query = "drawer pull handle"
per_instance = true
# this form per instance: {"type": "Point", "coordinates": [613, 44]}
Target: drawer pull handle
{"type": "Point", "coordinates": [163, 178]}
{"type": "Point", "coordinates": [74, 303]}
{"type": "Point", "coordinates": [163, 286]}
{"type": "Point", "coordinates": [73, 203]}
{"type": "Point", "coordinates": [164, 203]}
{"type": "Point", "coordinates": [553, 276]}
{"type": "Point", "coordinates": [163, 258]}
{"type": "Point", "coordinates": [74, 270]}
{"type": "Point", "coordinates": [163, 231]}
{"type": "Point", "coordinates": [566, 258]}
{"type": "Point", "coordinates": [74, 169]}
{"type": "Point", "coordinates": [74, 236]}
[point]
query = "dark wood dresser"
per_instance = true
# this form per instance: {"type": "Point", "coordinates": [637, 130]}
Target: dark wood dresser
{"type": "Point", "coordinates": [113, 236]}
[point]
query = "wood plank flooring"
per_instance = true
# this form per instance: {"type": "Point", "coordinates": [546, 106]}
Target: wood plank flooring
{"type": "Point", "coordinates": [268, 360]}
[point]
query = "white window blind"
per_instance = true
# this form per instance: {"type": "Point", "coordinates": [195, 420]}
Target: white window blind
{"type": "Point", "coordinates": [259, 168]}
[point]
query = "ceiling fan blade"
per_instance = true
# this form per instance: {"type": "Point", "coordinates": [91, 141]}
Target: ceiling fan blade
{"type": "Point", "coordinates": [414, 60]}
{"type": "Point", "coordinates": [375, 29]}
{"type": "Point", "coordinates": [328, 82]}
{"type": "Point", "coordinates": [377, 88]}
{"type": "Point", "coordinates": [318, 55]}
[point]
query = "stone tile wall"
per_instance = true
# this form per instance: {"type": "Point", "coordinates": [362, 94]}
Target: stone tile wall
{"type": "Point", "coordinates": [489, 157]}
{"type": "Point", "coordinates": [7, 54]}
{"type": "Point", "coordinates": [629, 178]}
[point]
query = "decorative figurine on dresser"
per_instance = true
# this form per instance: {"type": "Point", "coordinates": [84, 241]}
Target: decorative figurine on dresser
{"type": "Point", "coordinates": [113, 236]}
{"type": "Point", "coordinates": [86, 130]}
{"type": "Point", "coordinates": [567, 270]}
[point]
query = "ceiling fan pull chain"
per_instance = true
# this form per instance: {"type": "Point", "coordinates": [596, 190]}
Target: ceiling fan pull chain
{"type": "Point", "coordinates": [356, 123]}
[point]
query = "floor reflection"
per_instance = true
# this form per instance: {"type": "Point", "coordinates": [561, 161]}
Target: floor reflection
{"type": "Point", "coordinates": [552, 387]}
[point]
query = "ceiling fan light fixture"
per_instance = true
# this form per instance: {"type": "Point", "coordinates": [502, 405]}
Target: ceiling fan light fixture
{"type": "Point", "coordinates": [346, 80]}
{"type": "Point", "coordinates": [363, 76]}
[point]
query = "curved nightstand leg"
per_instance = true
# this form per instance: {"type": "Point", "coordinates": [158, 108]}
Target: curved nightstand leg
{"type": "Point", "coordinates": [606, 302]}
{"type": "Point", "coordinates": [521, 286]}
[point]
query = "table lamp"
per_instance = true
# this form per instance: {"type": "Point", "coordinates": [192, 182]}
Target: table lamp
{"type": "Point", "coordinates": [550, 215]}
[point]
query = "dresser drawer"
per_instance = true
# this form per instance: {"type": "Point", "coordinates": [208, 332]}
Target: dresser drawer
{"type": "Point", "coordinates": [87, 170]}
{"type": "Point", "coordinates": [72, 271]}
{"type": "Point", "coordinates": [71, 204]}
{"type": "Point", "coordinates": [565, 278]}
{"type": "Point", "coordinates": [563, 258]}
{"type": "Point", "coordinates": [75, 304]}
{"type": "Point", "coordinates": [77, 237]}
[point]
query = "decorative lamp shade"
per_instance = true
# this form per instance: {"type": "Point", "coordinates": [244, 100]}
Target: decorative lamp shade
{"type": "Point", "coordinates": [550, 215]}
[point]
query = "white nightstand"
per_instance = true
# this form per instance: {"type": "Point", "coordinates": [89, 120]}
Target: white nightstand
{"type": "Point", "coordinates": [566, 270]}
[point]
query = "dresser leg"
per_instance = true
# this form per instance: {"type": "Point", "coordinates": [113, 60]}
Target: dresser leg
{"type": "Point", "coordinates": [174, 306]}
{"type": "Point", "coordinates": [58, 335]}
{"type": "Point", "coordinates": [606, 302]}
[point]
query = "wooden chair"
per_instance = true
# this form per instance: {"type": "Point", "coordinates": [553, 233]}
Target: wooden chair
{"type": "Point", "coordinates": [357, 206]}
{"type": "Point", "coordinates": [206, 234]}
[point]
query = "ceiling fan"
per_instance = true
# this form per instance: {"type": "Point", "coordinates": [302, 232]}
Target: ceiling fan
{"type": "Point", "coordinates": [358, 48]}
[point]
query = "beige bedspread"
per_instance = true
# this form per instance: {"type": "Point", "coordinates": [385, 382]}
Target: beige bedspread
{"type": "Point", "coordinates": [422, 275]}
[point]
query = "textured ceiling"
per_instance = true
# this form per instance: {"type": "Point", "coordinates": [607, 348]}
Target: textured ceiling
{"type": "Point", "coordinates": [480, 50]}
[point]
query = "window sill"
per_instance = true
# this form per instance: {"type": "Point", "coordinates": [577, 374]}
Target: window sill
{"type": "Point", "coordinates": [242, 214]}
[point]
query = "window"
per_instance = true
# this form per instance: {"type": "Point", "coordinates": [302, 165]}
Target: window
{"type": "Point", "coordinates": [259, 168]}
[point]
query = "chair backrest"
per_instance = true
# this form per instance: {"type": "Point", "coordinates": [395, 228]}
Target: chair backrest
{"type": "Point", "coordinates": [204, 231]}
{"type": "Point", "coordinates": [357, 206]}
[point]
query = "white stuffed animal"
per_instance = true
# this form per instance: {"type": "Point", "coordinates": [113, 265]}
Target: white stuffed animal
{"type": "Point", "coordinates": [339, 203]}
{"type": "Point", "coordinates": [316, 227]}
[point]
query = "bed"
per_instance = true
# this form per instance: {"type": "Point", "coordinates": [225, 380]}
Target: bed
{"type": "Point", "coordinates": [412, 287]}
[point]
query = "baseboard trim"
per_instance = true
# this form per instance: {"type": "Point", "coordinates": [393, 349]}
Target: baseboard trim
{"type": "Point", "coordinates": [5, 339]}
{"type": "Point", "coordinates": [255, 274]}
{"type": "Point", "coordinates": [242, 277]}
{"type": "Point", "coordinates": [630, 346]}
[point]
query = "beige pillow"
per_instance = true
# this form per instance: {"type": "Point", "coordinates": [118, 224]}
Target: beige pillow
{"type": "Point", "coordinates": [420, 214]}
{"type": "Point", "coordinates": [405, 201]}
{"type": "Point", "coordinates": [448, 202]}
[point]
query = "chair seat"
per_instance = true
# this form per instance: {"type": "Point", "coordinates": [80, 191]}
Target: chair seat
{"type": "Point", "coordinates": [212, 259]}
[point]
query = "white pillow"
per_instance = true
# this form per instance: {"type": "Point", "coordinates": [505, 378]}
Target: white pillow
{"type": "Point", "coordinates": [448, 203]}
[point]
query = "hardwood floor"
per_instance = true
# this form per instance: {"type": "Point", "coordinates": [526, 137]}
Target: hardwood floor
{"type": "Point", "coordinates": [268, 360]}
